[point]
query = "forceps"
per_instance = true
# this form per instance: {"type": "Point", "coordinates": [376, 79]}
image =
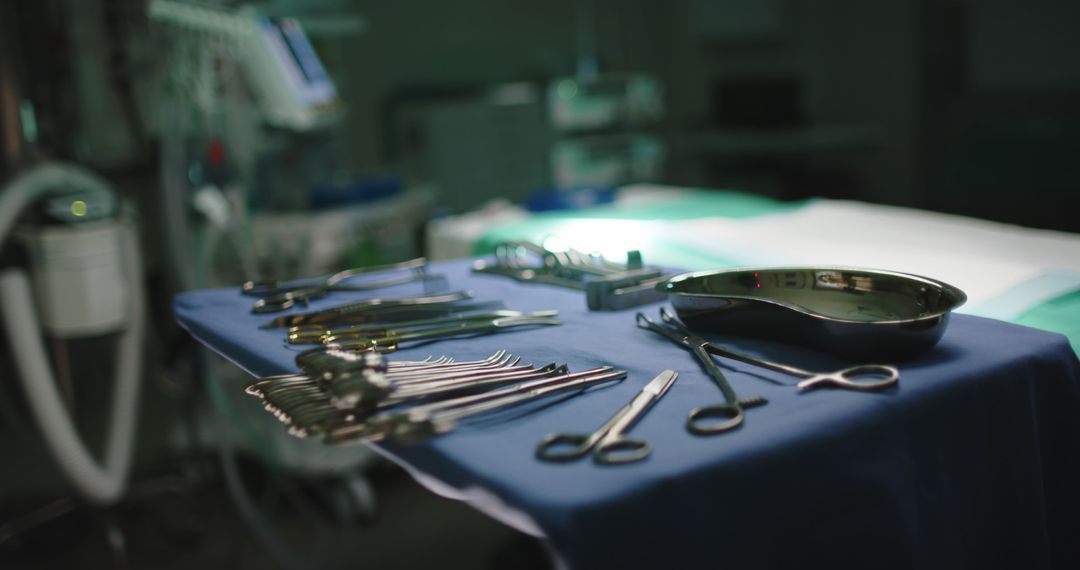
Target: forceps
{"type": "Point", "coordinates": [426, 420]}
{"type": "Point", "coordinates": [351, 311]}
{"type": "Point", "coordinates": [387, 341]}
{"type": "Point", "coordinates": [325, 335]}
{"type": "Point", "coordinates": [276, 296]}
{"type": "Point", "coordinates": [608, 444]}
{"type": "Point", "coordinates": [863, 378]}
{"type": "Point", "coordinates": [702, 421]}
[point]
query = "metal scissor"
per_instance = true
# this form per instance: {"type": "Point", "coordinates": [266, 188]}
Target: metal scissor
{"type": "Point", "coordinates": [703, 420]}
{"type": "Point", "coordinates": [276, 296]}
{"type": "Point", "coordinates": [608, 444]}
{"type": "Point", "coordinates": [862, 378]}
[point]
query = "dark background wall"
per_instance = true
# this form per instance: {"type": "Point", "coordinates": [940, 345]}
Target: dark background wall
{"type": "Point", "coordinates": [953, 104]}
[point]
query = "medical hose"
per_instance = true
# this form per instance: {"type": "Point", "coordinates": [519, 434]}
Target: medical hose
{"type": "Point", "coordinates": [101, 485]}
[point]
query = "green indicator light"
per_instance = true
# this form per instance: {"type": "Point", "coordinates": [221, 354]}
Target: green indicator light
{"type": "Point", "coordinates": [78, 208]}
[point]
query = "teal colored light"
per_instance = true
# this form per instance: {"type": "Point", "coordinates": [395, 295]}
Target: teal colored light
{"type": "Point", "coordinates": [1060, 315]}
{"type": "Point", "coordinates": [567, 89]}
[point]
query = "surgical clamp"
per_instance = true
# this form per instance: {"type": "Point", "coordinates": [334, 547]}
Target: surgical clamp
{"type": "Point", "coordinates": [276, 296]}
{"type": "Point", "coordinates": [350, 310]}
{"type": "Point", "coordinates": [864, 377]}
{"type": "Point", "coordinates": [608, 444]}
{"type": "Point", "coordinates": [388, 341]}
{"type": "Point", "coordinates": [314, 334]}
{"type": "Point", "coordinates": [701, 421]}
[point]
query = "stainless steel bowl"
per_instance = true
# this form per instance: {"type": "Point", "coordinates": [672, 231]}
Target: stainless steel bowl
{"type": "Point", "coordinates": [858, 314]}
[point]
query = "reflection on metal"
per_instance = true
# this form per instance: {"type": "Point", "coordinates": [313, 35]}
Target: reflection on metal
{"type": "Point", "coordinates": [607, 285]}
{"type": "Point", "coordinates": [342, 396]}
{"type": "Point", "coordinates": [861, 378]}
{"type": "Point", "coordinates": [371, 310]}
{"type": "Point", "coordinates": [714, 418]}
{"type": "Point", "coordinates": [859, 314]}
{"type": "Point", "coordinates": [276, 296]}
{"type": "Point", "coordinates": [608, 444]}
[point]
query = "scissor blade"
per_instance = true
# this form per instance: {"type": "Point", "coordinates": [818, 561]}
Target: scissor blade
{"type": "Point", "coordinates": [657, 386]}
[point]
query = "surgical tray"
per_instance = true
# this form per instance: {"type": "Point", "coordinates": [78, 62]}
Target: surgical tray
{"type": "Point", "coordinates": [859, 314]}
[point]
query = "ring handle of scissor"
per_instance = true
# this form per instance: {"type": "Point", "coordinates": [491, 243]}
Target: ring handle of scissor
{"type": "Point", "coordinates": [864, 378]}
{"type": "Point", "coordinates": [563, 447]}
{"type": "Point", "coordinates": [621, 449]}
{"type": "Point", "coordinates": [703, 420]}
{"type": "Point", "coordinates": [570, 446]}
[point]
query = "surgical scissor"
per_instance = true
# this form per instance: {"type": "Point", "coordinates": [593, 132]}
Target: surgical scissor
{"type": "Point", "coordinates": [608, 444]}
{"type": "Point", "coordinates": [863, 377]}
{"type": "Point", "coordinates": [276, 296]}
{"type": "Point", "coordinates": [703, 420]}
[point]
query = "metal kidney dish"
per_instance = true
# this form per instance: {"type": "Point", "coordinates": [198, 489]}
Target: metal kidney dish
{"type": "Point", "coordinates": [858, 314]}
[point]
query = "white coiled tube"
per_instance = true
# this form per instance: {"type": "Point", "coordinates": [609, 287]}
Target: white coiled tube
{"type": "Point", "coordinates": [97, 483]}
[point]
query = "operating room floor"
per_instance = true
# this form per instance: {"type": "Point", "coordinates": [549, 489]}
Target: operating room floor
{"type": "Point", "coordinates": [169, 523]}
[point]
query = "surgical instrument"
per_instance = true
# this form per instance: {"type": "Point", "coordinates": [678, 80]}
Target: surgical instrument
{"type": "Point", "coordinates": [527, 261]}
{"type": "Point", "coordinates": [353, 390]}
{"type": "Point", "coordinates": [314, 415]}
{"type": "Point", "coordinates": [608, 444]}
{"type": "Point", "coordinates": [622, 291]}
{"type": "Point", "coordinates": [305, 405]}
{"type": "Point", "coordinates": [470, 382]}
{"type": "Point", "coordinates": [322, 360]}
{"type": "Point", "coordinates": [315, 334]}
{"type": "Point", "coordinates": [333, 314]}
{"type": "Point", "coordinates": [864, 377]}
{"type": "Point", "coordinates": [351, 379]}
{"type": "Point", "coordinates": [276, 296]}
{"type": "Point", "coordinates": [274, 388]}
{"type": "Point", "coordinates": [607, 285]}
{"type": "Point", "coordinates": [702, 420]}
{"type": "Point", "coordinates": [389, 340]}
{"type": "Point", "coordinates": [423, 421]}
{"type": "Point", "coordinates": [397, 313]}
{"type": "Point", "coordinates": [361, 382]}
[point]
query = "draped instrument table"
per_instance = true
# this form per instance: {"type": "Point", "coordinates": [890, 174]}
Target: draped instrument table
{"type": "Point", "coordinates": [972, 462]}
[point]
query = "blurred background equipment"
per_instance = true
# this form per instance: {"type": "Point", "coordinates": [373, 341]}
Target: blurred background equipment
{"type": "Point", "coordinates": [544, 141]}
{"type": "Point", "coordinates": [255, 181]}
{"type": "Point", "coordinates": [87, 278]}
{"type": "Point", "coordinates": [254, 187]}
{"type": "Point", "coordinates": [236, 141]}
{"type": "Point", "coordinates": [287, 79]}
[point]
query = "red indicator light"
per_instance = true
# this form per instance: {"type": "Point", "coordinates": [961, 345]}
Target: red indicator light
{"type": "Point", "coordinates": [755, 274]}
{"type": "Point", "coordinates": [758, 285]}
